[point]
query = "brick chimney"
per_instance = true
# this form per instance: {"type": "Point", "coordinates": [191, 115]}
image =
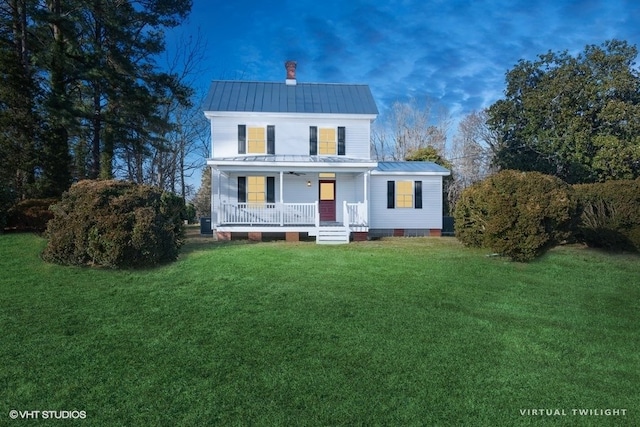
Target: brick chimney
{"type": "Point", "coordinates": [291, 72]}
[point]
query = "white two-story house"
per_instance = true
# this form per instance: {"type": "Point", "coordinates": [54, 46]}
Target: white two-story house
{"type": "Point", "coordinates": [292, 158]}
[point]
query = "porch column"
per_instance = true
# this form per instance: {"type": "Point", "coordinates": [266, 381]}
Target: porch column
{"type": "Point", "coordinates": [212, 201]}
{"type": "Point", "coordinates": [281, 207]}
{"type": "Point", "coordinates": [366, 192]}
{"type": "Point", "coordinates": [218, 203]}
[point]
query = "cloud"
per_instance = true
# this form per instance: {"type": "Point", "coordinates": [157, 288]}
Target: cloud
{"type": "Point", "coordinates": [454, 51]}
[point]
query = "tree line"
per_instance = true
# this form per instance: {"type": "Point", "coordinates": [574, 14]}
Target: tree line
{"type": "Point", "coordinates": [573, 117]}
{"type": "Point", "coordinates": [83, 96]}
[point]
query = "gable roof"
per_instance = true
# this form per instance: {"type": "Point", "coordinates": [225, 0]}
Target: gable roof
{"type": "Point", "coordinates": [410, 168]}
{"type": "Point", "coordinates": [271, 97]}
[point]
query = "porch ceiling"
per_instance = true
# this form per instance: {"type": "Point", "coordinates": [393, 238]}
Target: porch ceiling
{"type": "Point", "coordinates": [292, 163]}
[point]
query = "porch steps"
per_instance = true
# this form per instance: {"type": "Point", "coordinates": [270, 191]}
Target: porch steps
{"type": "Point", "coordinates": [332, 235]}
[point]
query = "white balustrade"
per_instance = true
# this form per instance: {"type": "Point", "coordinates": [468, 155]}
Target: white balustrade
{"type": "Point", "coordinates": [354, 214]}
{"type": "Point", "coordinates": [268, 213]}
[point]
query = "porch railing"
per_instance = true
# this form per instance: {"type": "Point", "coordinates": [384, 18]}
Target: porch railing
{"type": "Point", "coordinates": [356, 213]}
{"type": "Point", "coordinates": [268, 213]}
{"type": "Point", "coordinates": [353, 214]}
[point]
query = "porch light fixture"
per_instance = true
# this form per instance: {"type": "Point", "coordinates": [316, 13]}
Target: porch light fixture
{"type": "Point", "coordinates": [308, 183]}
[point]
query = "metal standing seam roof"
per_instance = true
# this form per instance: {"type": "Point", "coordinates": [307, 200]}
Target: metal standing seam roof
{"type": "Point", "coordinates": [272, 97]}
{"type": "Point", "coordinates": [411, 167]}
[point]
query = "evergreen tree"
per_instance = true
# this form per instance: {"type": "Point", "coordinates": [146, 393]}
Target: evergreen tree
{"type": "Point", "coordinates": [79, 85]}
{"type": "Point", "coordinates": [574, 117]}
{"type": "Point", "coordinates": [19, 114]}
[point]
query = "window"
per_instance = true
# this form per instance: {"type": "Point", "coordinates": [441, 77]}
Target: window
{"type": "Point", "coordinates": [404, 194]}
{"type": "Point", "coordinates": [256, 140]}
{"type": "Point", "coordinates": [256, 189]}
{"type": "Point", "coordinates": [326, 175]}
{"type": "Point", "coordinates": [326, 141]}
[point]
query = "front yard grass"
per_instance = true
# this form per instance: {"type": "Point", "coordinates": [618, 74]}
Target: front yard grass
{"type": "Point", "coordinates": [397, 332]}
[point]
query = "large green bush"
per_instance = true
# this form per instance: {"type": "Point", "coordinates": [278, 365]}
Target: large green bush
{"type": "Point", "coordinates": [610, 214]}
{"type": "Point", "coordinates": [516, 214]}
{"type": "Point", "coordinates": [115, 224]}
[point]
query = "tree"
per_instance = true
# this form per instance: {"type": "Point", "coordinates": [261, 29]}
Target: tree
{"type": "Point", "coordinates": [184, 146]}
{"type": "Point", "coordinates": [122, 91]}
{"type": "Point", "coordinates": [577, 118]}
{"type": "Point", "coordinates": [81, 89]}
{"type": "Point", "coordinates": [409, 127]}
{"type": "Point", "coordinates": [430, 154]}
{"type": "Point", "coordinates": [427, 154]}
{"type": "Point", "coordinates": [56, 158]}
{"type": "Point", "coordinates": [202, 200]}
{"type": "Point", "coordinates": [20, 115]}
{"type": "Point", "coordinates": [472, 153]}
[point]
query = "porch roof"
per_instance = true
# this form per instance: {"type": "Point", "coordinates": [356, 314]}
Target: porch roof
{"type": "Point", "coordinates": [292, 162]}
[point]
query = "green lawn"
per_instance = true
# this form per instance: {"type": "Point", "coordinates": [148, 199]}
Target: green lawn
{"type": "Point", "coordinates": [397, 332]}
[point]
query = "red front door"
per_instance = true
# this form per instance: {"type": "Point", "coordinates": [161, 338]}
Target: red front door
{"type": "Point", "coordinates": [327, 199]}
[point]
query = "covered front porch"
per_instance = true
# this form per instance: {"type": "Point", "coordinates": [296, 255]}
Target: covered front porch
{"type": "Point", "coordinates": [322, 197]}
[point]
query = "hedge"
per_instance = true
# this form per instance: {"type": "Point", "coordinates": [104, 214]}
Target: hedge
{"type": "Point", "coordinates": [609, 214]}
{"type": "Point", "coordinates": [30, 215]}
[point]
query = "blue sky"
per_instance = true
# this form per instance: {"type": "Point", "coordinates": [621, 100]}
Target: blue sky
{"type": "Point", "coordinates": [453, 53]}
{"type": "Point", "coordinates": [450, 51]}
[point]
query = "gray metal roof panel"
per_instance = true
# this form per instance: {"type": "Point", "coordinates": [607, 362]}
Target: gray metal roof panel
{"type": "Point", "coordinates": [411, 167]}
{"type": "Point", "coordinates": [282, 98]}
{"type": "Point", "coordinates": [292, 158]}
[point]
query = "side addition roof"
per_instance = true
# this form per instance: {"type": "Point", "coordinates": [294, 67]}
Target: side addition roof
{"type": "Point", "coordinates": [410, 168]}
{"type": "Point", "coordinates": [272, 97]}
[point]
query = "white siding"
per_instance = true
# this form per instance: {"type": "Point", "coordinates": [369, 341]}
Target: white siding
{"type": "Point", "coordinates": [430, 216]}
{"type": "Point", "coordinates": [292, 134]}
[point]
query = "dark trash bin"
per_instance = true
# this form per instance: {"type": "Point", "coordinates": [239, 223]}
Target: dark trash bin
{"type": "Point", "coordinates": [205, 226]}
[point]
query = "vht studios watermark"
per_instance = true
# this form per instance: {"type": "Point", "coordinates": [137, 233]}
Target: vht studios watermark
{"type": "Point", "coordinates": [47, 415]}
{"type": "Point", "coordinates": [555, 412]}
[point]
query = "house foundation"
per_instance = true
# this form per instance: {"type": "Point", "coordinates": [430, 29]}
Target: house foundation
{"type": "Point", "coordinates": [223, 235]}
{"type": "Point", "coordinates": [292, 237]}
{"type": "Point", "coordinates": [255, 236]}
{"type": "Point", "coordinates": [359, 236]}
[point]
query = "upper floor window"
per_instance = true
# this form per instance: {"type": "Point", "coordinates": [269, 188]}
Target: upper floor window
{"type": "Point", "coordinates": [327, 141]}
{"type": "Point", "coordinates": [256, 139]}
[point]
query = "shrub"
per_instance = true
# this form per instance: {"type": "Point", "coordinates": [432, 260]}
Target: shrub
{"type": "Point", "coordinates": [470, 216]}
{"type": "Point", "coordinates": [30, 215]}
{"type": "Point", "coordinates": [6, 200]}
{"type": "Point", "coordinates": [516, 214]}
{"type": "Point", "coordinates": [115, 224]}
{"type": "Point", "coordinates": [609, 214]}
